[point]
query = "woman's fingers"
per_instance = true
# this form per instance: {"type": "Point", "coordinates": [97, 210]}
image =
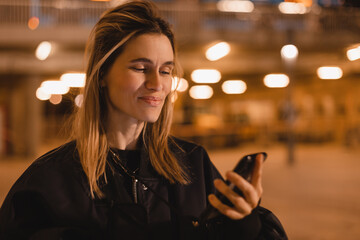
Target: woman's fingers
{"type": "Point", "coordinates": [250, 193]}
{"type": "Point", "coordinates": [241, 204]}
{"type": "Point", "coordinates": [256, 179]}
{"type": "Point", "coordinates": [226, 210]}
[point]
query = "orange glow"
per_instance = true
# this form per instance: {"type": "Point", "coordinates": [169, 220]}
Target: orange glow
{"type": "Point", "coordinates": [33, 23]}
{"type": "Point", "coordinates": [307, 3]}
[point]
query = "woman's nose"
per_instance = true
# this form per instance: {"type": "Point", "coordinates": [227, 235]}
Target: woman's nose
{"type": "Point", "coordinates": [153, 81]}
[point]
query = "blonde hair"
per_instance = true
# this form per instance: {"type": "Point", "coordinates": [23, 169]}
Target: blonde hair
{"type": "Point", "coordinates": [107, 40]}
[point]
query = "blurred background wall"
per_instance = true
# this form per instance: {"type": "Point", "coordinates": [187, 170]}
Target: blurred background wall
{"type": "Point", "coordinates": [323, 33]}
{"type": "Point", "coordinates": [259, 74]}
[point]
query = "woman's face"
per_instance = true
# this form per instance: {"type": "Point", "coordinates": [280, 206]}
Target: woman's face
{"type": "Point", "coordinates": [140, 78]}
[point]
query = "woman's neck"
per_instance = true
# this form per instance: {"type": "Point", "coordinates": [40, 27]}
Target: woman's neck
{"type": "Point", "coordinates": [123, 132]}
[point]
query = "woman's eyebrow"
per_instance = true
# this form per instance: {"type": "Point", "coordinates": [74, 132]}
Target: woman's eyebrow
{"type": "Point", "coordinates": [146, 60]}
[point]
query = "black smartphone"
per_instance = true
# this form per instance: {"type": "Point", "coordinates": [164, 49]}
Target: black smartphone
{"type": "Point", "coordinates": [245, 169]}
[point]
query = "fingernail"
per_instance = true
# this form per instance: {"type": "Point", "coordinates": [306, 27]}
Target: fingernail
{"type": "Point", "coordinates": [230, 173]}
{"type": "Point", "coordinates": [217, 182]}
{"type": "Point", "coordinates": [211, 197]}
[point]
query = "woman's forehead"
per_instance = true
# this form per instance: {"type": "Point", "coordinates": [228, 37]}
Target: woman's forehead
{"type": "Point", "coordinates": [155, 47]}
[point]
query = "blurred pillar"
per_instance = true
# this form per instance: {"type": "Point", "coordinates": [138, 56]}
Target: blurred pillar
{"type": "Point", "coordinates": [290, 108]}
{"type": "Point", "coordinates": [25, 118]}
{"type": "Point", "coordinates": [33, 117]}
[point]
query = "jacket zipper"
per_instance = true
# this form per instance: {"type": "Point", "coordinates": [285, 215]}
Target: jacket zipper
{"type": "Point", "coordinates": [134, 189]}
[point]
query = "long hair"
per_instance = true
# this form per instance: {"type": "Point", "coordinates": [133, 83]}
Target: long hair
{"type": "Point", "coordinates": [107, 40]}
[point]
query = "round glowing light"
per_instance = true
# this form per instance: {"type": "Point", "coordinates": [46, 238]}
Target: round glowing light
{"type": "Point", "coordinates": [201, 92]}
{"type": "Point", "coordinates": [206, 76]}
{"type": "Point", "coordinates": [79, 100]}
{"type": "Point", "coordinates": [179, 85]}
{"type": "Point", "coordinates": [218, 51]}
{"type": "Point", "coordinates": [292, 8]}
{"type": "Point", "coordinates": [76, 80]}
{"type": "Point", "coordinates": [33, 23]}
{"type": "Point", "coordinates": [54, 87]}
{"type": "Point", "coordinates": [276, 80]}
{"type": "Point", "coordinates": [289, 51]}
{"type": "Point", "coordinates": [235, 6]}
{"type": "Point", "coordinates": [328, 73]}
{"type": "Point", "coordinates": [353, 54]}
{"type": "Point", "coordinates": [41, 95]}
{"type": "Point", "coordinates": [234, 87]}
{"type": "Point", "coordinates": [55, 99]}
{"type": "Point", "coordinates": [43, 50]}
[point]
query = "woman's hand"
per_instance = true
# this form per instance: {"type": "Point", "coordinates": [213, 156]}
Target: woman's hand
{"type": "Point", "coordinates": [252, 191]}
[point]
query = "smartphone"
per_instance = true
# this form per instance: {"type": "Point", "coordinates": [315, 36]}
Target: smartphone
{"type": "Point", "coordinates": [244, 168]}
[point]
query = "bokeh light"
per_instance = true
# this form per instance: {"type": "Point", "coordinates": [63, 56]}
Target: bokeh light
{"type": "Point", "coordinates": [79, 100]}
{"type": "Point", "coordinates": [234, 87]}
{"type": "Point", "coordinates": [292, 8]}
{"type": "Point", "coordinates": [289, 51]}
{"type": "Point", "coordinates": [201, 92]}
{"type": "Point", "coordinates": [55, 99]}
{"type": "Point", "coordinates": [76, 80]}
{"type": "Point", "coordinates": [33, 23]}
{"type": "Point", "coordinates": [206, 76]}
{"type": "Point", "coordinates": [235, 6]}
{"type": "Point", "coordinates": [329, 72]}
{"type": "Point", "coordinates": [277, 80]}
{"type": "Point", "coordinates": [218, 51]}
{"type": "Point", "coordinates": [41, 95]}
{"type": "Point", "coordinates": [43, 50]}
{"type": "Point", "coordinates": [54, 87]}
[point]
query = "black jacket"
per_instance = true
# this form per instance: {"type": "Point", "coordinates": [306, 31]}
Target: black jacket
{"type": "Point", "coordinates": [51, 200]}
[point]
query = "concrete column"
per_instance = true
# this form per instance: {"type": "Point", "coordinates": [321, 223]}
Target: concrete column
{"type": "Point", "coordinates": [33, 116]}
{"type": "Point", "coordinates": [25, 117]}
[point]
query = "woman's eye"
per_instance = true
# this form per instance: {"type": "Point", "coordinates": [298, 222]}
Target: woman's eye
{"type": "Point", "coordinates": [139, 69]}
{"type": "Point", "coordinates": [165, 72]}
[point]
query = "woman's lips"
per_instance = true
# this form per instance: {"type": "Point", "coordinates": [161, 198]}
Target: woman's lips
{"type": "Point", "coordinates": [151, 100]}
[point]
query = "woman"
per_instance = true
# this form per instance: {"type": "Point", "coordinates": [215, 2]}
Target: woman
{"type": "Point", "coordinates": [123, 176]}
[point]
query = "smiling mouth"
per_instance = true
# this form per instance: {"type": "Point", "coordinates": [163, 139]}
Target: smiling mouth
{"type": "Point", "coordinates": [152, 101]}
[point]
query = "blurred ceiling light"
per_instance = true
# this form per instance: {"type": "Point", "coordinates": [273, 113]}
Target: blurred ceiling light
{"type": "Point", "coordinates": [329, 72]}
{"type": "Point", "coordinates": [218, 51]}
{"type": "Point", "coordinates": [43, 50]}
{"type": "Point", "coordinates": [180, 86]}
{"type": "Point", "coordinates": [353, 53]}
{"type": "Point", "coordinates": [201, 92]}
{"type": "Point", "coordinates": [33, 23]}
{"type": "Point", "coordinates": [289, 52]}
{"type": "Point", "coordinates": [79, 100]}
{"type": "Point", "coordinates": [206, 76]}
{"type": "Point", "coordinates": [41, 95]}
{"type": "Point", "coordinates": [292, 8]}
{"type": "Point", "coordinates": [235, 6]}
{"type": "Point", "coordinates": [54, 87]}
{"type": "Point", "coordinates": [76, 80]}
{"type": "Point", "coordinates": [234, 87]}
{"type": "Point", "coordinates": [276, 80]}
{"type": "Point", "coordinates": [55, 99]}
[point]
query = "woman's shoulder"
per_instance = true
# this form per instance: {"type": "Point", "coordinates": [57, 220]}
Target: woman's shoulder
{"type": "Point", "coordinates": [190, 152]}
{"type": "Point", "coordinates": [64, 153]}
{"type": "Point", "coordinates": [55, 166]}
{"type": "Point", "coordinates": [185, 145]}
